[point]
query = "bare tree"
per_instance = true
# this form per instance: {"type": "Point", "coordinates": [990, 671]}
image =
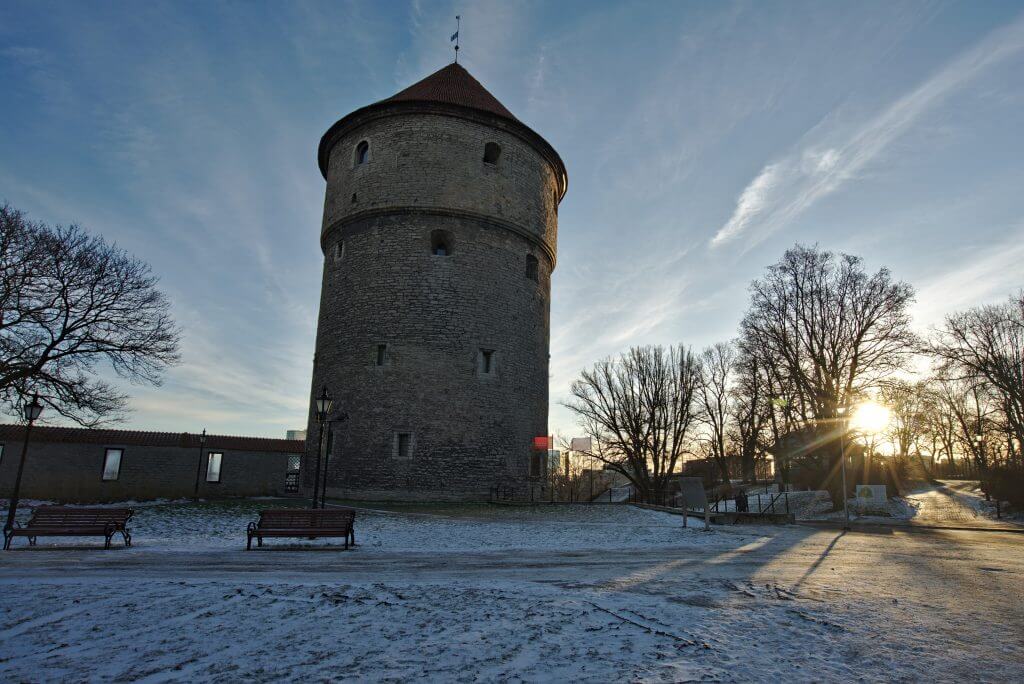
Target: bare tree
{"type": "Point", "coordinates": [752, 411]}
{"type": "Point", "coordinates": [833, 329]}
{"type": "Point", "coordinates": [70, 306]}
{"type": "Point", "coordinates": [906, 403]}
{"type": "Point", "coordinates": [714, 396]}
{"type": "Point", "coordinates": [639, 408]}
{"type": "Point", "coordinates": [985, 345]}
{"type": "Point", "coordinates": [829, 331]}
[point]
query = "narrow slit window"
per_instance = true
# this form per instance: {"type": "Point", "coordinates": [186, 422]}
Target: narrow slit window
{"type": "Point", "coordinates": [382, 354]}
{"type": "Point", "coordinates": [339, 251]}
{"type": "Point", "coordinates": [403, 445]}
{"type": "Point", "coordinates": [492, 152]}
{"type": "Point", "coordinates": [213, 463]}
{"type": "Point", "coordinates": [362, 152]}
{"type": "Point", "coordinates": [441, 243]}
{"type": "Point", "coordinates": [531, 267]}
{"type": "Point", "coordinates": [112, 464]}
{"type": "Point", "coordinates": [486, 361]}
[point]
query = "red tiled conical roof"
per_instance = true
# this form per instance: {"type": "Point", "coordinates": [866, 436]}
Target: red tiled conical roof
{"type": "Point", "coordinates": [452, 85]}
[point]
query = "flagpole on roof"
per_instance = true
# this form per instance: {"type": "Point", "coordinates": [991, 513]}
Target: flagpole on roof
{"type": "Point", "coordinates": [455, 37]}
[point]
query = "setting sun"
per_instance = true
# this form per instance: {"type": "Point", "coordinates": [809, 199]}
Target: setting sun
{"type": "Point", "coordinates": [870, 417]}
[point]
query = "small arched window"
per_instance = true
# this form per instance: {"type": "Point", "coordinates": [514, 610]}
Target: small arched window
{"type": "Point", "coordinates": [441, 243]}
{"type": "Point", "coordinates": [531, 268]}
{"type": "Point", "coordinates": [492, 151]}
{"type": "Point", "coordinates": [339, 251]}
{"type": "Point", "coordinates": [362, 152]}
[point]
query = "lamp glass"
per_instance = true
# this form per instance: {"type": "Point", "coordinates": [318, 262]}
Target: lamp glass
{"type": "Point", "coordinates": [33, 410]}
{"type": "Point", "coordinates": [323, 404]}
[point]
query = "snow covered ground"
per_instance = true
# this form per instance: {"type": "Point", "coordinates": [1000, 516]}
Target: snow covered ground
{"type": "Point", "coordinates": [222, 525]}
{"type": "Point", "coordinates": [581, 593]}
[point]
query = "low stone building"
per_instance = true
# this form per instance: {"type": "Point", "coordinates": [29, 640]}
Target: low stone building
{"type": "Point", "coordinates": [81, 466]}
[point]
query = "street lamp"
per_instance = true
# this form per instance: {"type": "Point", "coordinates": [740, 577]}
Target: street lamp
{"type": "Point", "coordinates": [327, 457]}
{"type": "Point", "coordinates": [323, 406]}
{"type": "Point", "coordinates": [32, 411]}
{"type": "Point", "coordinates": [844, 425]}
{"type": "Point", "coordinates": [979, 446]}
{"type": "Point", "coordinates": [199, 466]}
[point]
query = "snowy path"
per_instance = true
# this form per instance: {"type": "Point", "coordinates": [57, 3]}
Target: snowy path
{"type": "Point", "coordinates": [953, 502]}
{"type": "Point", "coordinates": [736, 604]}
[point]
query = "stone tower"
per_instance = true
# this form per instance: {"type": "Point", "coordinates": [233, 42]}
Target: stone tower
{"type": "Point", "coordinates": [439, 235]}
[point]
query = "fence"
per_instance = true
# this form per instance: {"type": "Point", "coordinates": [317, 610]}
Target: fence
{"type": "Point", "coordinates": [766, 502]}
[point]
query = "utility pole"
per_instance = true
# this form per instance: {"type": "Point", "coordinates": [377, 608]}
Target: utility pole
{"type": "Point", "coordinates": [842, 458]}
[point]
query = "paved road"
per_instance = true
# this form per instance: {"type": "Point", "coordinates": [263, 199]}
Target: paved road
{"type": "Point", "coordinates": [953, 502]}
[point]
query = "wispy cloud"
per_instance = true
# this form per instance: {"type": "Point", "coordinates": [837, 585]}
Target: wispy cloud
{"type": "Point", "coordinates": [987, 275]}
{"type": "Point", "coordinates": [820, 164]}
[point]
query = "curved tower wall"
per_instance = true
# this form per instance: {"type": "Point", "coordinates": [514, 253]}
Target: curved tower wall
{"type": "Point", "coordinates": [427, 418]}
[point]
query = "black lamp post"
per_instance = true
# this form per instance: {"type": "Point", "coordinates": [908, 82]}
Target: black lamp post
{"type": "Point", "coordinates": [199, 465]}
{"type": "Point", "coordinates": [32, 411]}
{"type": "Point", "coordinates": [844, 425]}
{"type": "Point", "coordinates": [979, 445]}
{"type": "Point", "coordinates": [327, 456]}
{"type": "Point", "coordinates": [323, 406]}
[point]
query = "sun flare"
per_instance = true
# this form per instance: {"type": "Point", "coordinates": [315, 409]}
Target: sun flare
{"type": "Point", "coordinates": [870, 418]}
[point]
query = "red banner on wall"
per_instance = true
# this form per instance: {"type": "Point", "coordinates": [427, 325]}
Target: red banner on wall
{"type": "Point", "coordinates": [542, 443]}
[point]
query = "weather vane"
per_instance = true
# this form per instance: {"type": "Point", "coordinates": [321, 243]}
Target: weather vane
{"type": "Point", "coordinates": [455, 38]}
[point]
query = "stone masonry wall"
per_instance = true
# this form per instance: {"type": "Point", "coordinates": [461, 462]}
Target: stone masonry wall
{"type": "Point", "coordinates": [434, 161]}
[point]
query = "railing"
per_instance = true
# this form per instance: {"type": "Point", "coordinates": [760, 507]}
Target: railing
{"type": "Point", "coordinates": [502, 493]}
{"type": "Point", "coordinates": [768, 504]}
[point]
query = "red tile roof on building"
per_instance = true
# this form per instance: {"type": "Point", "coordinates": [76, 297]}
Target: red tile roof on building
{"type": "Point", "coordinates": [16, 433]}
{"type": "Point", "coordinates": [453, 85]}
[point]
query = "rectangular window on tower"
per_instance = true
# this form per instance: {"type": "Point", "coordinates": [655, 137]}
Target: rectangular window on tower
{"type": "Point", "coordinates": [403, 444]}
{"type": "Point", "coordinates": [486, 361]}
{"type": "Point", "coordinates": [382, 355]}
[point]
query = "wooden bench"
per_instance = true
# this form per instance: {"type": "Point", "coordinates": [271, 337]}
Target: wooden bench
{"type": "Point", "coordinates": [62, 521]}
{"type": "Point", "coordinates": [303, 522]}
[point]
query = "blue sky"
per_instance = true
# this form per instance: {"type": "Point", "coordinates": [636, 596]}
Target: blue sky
{"type": "Point", "coordinates": [702, 140]}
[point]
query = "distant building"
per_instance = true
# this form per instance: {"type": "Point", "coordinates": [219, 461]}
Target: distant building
{"type": "Point", "coordinates": [299, 435]}
{"type": "Point", "coordinates": [78, 465]}
{"type": "Point", "coordinates": [555, 465]}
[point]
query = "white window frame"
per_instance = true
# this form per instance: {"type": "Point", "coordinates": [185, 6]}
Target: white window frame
{"type": "Point", "coordinates": [106, 464]}
{"type": "Point", "coordinates": [210, 460]}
